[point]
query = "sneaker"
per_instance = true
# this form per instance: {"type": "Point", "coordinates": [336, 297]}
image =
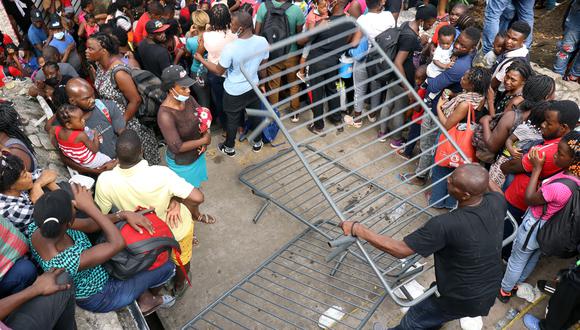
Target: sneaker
{"type": "Point", "coordinates": [546, 286]}
{"type": "Point", "coordinates": [294, 118]}
{"type": "Point", "coordinates": [397, 144]}
{"type": "Point", "coordinates": [315, 130]}
{"type": "Point", "coordinates": [531, 322]}
{"type": "Point", "coordinates": [230, 152]}
{"type": "Point", "coordinates": [258, 146]}
{"type": "Point", "coordinates": [402, 154]}
{"type": "Point", "coordinates": [503, 296]}
{"type": "Point", "coordinates": [382, 137]}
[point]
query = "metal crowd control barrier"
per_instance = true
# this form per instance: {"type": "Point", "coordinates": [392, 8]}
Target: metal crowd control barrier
{"type": "Point", "coordinates": [346, 173]}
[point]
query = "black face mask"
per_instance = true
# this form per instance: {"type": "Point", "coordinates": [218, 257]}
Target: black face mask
{"type": "Point", "coordinates": [52, 81]}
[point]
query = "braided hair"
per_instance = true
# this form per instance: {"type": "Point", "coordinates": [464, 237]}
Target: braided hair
{"type": "Point", "coordinates": [10, 124]}
{"type": "Point", "coordinates": [538, 114]}
{"type": "Point", "coordinates": [480, 78]}
{"type": "Point", "coordinates": [63, 115]}
{"type": "Point", "coordinates": [537, 89]}
{"type": "Point", "coordinates": [219, 17]}
{"type": "Point", "coordinates": [464, 21]}
{"type": "Point", "coordinates": [572, 139]}
{"type": "Point", "coordinates": [107, 41]}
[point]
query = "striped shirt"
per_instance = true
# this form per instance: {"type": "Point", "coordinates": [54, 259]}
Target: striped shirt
{"type": "Point", "coordinates": [77, 151]}
{"type": "Point", "coordinates": [13, 246]}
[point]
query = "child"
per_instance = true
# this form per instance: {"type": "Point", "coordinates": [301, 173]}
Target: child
{"type": "Point", "coordinates": [415, 128]}
{"type": "Point", "coordinates": [442, 57]}
{"type": "Point", "coordinates": [491, 56]}
{"type": "Point", "coordinates": [89, 26]}
{"type": "Point", "coordinates": [76, 141]}
{"type": "Point", "coordinates": [543, 204]}
{"type": "Point", "coordinates": [315, 16]}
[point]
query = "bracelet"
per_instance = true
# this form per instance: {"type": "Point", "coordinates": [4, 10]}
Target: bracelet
{"type": "Point", "coordinates": [352, 229]}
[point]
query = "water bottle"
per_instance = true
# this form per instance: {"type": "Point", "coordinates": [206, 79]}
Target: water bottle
{"type": "Point", "coordinates": [510, 315]}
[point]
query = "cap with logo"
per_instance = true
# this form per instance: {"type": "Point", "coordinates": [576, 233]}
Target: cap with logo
{"type": "Point", "coordinates": [35, 15]}
{"type": "Point", "coordinates": [55, 24]}
{"type": "Point", "coordinates": [155, 26]}
{"type": "Point", "coordinates": [176, 74]}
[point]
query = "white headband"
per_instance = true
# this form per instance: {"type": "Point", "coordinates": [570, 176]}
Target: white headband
{"type": "Point", "coordinates": [51, 219]}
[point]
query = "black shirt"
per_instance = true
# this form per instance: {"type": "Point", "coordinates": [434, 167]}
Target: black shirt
{"type": "Point", "coordinates": [409, 41]}
{"type": "Point", "coordinates": [326, 48]}
{"type": "Point", "coordinates": [153, 57]}
{"type": "Point", "coordinates": [466, 244]}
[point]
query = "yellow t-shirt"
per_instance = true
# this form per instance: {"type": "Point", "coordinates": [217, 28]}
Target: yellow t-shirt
{"type": "Point", "coordinates": [146, 186]}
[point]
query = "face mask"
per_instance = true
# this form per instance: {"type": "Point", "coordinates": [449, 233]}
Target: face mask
{"type": "Point", "coordinates": [59, 35]}
{"type": "Point", "coordinates": [179, 97]}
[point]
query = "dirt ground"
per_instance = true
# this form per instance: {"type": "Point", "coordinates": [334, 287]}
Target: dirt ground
{"type": "Point", "coordinates": [547, 31]}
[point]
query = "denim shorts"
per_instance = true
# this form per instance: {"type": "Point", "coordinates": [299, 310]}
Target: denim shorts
{"type": "Point", "coordinates": [117, 294]}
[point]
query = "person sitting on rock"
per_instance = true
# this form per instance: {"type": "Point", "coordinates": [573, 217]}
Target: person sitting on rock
{"type": "Point", "coordinates": [101, 115]}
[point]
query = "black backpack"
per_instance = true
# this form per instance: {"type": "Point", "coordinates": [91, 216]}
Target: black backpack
{"type": "Point", "coordinates": [560, 236]}
{"type": "Point", "coordinates": [276, 27]}
{"type": "Point", "coordinates": [149, 87]}
{"type": "Point", "coordinates": [388, 41]}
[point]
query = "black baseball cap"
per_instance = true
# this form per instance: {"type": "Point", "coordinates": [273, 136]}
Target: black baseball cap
{"type": "Point", "coordinates": [36, 15]}
{"type": "Point", "coordinates": [55, 24]}
{"type": "Point", "coordinates": [176, 74]}
{"type": "Point", "coordinates": [155, 26]}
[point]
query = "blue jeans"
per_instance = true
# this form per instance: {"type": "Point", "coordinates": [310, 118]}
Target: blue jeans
{"type": "Point", "coordinates": [493, 20]}
{"type": "Point", "coordinates": [117, 294]}
{"type": "Point", "coordinates": [19, 277]}
{"type": "Point", "coordinates": [426, 315]}
{"type": "Point", "coordinates": [439, 189]}
{"type": "Point", "coordinates": [216, 87]}
{"type": "Point", "coordinates": [414, 131]}
{"type": "Point", "coordinates": [569, 43]}
{"type": "Point", "coordinates": [522, 260]}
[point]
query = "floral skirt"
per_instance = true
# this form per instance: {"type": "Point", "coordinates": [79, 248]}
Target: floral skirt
{"type": "Point", "coordinates": [148, 141]}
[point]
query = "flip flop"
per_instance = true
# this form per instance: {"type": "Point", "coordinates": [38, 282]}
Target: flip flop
{"type": "Point", "coordinates": [167, 301]}
{"type": "Point", "coordinates": [407, 178]}
{"type": "Point", "coordinates": [206, 218]}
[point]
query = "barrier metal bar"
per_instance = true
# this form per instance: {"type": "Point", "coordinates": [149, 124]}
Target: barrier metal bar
{"type": "Point", "coordinates": [344, 173]}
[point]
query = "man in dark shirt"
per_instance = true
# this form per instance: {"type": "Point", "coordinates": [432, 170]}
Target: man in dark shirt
{"type": "Point", "coordinates": [327, 56]}
{"type": "Point", "coordinates": [152, 53]}
{"type": "Point", "coordinates": [466, 244]}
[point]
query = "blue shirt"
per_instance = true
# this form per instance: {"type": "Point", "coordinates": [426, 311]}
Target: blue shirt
{"type": "Point", "coordinates": [247, 52]}
{"type": "Point", "coordinates": [62, 44]}
{"type": "Point", "coordinates": [191, 45]}
{"type": "Point", "coordinates": [36, 36]}
{"type": "Point", "coordinates": [449, 78]}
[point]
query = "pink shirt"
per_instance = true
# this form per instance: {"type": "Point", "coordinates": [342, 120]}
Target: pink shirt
{"type": "Point", "coordinates": [556, 195]}
{"type": "Point", "coordinates": [215, 41]}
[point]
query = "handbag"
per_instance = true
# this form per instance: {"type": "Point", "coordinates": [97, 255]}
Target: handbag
{"type": "Point", "coordinates": [446, 154]}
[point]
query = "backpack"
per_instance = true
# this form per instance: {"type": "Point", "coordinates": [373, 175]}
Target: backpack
{"type": "Point", "coordinates": [270, 132]}
{"type": "Point", "coordinates": [143, 251]}
{"type": "Point", "coordinates": [388, 41]}
{"type": "Point", "coordinates": [276, 27]}
{"type": "Point", "coordinates": [560, 236]}
{"type": "Point", "coordinates": [149, 87]}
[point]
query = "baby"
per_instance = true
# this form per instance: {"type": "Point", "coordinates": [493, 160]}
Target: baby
{"type": "Point", "coordinates": [491, 56]}
{"type": "Point", "coordinates": [443, 57]}
{"type": "Point", "coordinates": [76, 141]}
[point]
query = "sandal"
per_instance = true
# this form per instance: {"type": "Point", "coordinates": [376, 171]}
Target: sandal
{"type": "Point", "coordinates": [166, 302]}
{"type": "Point", "coordinates": [206, 218]}
{"type": "Point", "coordinates": [408, 179]}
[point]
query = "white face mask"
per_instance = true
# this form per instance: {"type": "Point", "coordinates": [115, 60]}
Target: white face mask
{"type": "Point", "coordinates": [59, 35]}
{"type": "Point", "coordinates": [179, 97]}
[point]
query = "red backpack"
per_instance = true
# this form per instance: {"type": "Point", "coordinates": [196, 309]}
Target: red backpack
{"type": "Point", "coordinates": [143, 251]}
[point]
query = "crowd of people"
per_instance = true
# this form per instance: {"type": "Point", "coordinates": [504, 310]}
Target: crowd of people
{"type": "Point", "coordinates": [98, 71]}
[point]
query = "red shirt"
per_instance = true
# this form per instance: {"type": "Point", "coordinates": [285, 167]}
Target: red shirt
{"type": "Point", "coordinates": [139, 34]}
{"type": "Point", "coordinates": [14, 72]}
{"type": "Point", "coordinates": [516, 192]}
{"type": "Point", "coordinates": [6, 41]}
